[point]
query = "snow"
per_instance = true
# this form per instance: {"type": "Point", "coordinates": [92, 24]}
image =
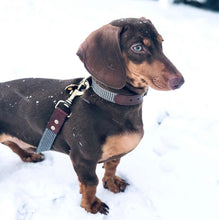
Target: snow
{"type": "Point", "coordinates": [174, 172]}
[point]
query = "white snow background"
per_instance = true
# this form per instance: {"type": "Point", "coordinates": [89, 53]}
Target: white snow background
{"type": "Point", "coordinates": [174, 172]}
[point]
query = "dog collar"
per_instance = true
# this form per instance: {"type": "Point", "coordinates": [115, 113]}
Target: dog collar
{"type": "Point", "coordinates": [62, 109]}
{"type": "Point", "coordinates": [115, 97]}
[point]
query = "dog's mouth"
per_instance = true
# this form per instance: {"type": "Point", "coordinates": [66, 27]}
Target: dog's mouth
{"type": "Point", "coordinates": [158, 84]}
{"type": "Point", "coordinates": [166, 84]}
{"type": "Point", "coordinates": [141, 83]}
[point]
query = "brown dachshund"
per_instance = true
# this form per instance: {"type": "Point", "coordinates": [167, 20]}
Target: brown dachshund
{"type": "Point", "coordinates": [124, 58]}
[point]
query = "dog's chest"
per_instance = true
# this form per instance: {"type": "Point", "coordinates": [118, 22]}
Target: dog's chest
{"type": "Point", "coordinates": [118, 145]}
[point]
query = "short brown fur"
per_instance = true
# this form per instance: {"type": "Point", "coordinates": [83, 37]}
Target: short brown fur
{"type": "Point", "coordinates": [124, 57]}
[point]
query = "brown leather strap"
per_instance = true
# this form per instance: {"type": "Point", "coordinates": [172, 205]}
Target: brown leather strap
{"type": "Point", "coordinates": [128, 100]}
{"type": "Point", "coordinates": [57, 120]}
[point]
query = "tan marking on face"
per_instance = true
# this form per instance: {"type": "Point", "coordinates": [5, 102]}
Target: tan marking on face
{"type": "Point", "coordinates": [7, 138]}
{"type": "Point", "coordinates": [147, 42]}
{"type": "Point", "coordinates": [143, 18]}
{"type": "Point", "coordinates": [159, 38]}
{"type": "Point", "coordinates": [144, 74]}
{"type": "Point", "coordinates": [119, 144]}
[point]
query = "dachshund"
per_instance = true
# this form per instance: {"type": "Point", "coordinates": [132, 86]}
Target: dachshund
{"type": "Point", "coordinates": [124, 58]}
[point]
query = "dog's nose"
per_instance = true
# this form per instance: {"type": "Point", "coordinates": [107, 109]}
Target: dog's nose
{"type": "Point", "coordinates": [176, 82]}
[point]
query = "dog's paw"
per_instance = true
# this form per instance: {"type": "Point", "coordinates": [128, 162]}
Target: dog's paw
{"type": "Point", "coordinates": [32, 157]}
{"type": "Point", "coordinates": [96, 206]}
{"type": "Point", "coordinates": [115, 184]}
{"type": "Point", "coordinates": [99, 206]}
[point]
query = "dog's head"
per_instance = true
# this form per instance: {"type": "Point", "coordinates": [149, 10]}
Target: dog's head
{"type": "Point", "coordinates": [129, 52]}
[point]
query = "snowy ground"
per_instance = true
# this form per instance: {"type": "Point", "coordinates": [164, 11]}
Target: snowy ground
{"type": "Point", "coordinates": [174, 173]}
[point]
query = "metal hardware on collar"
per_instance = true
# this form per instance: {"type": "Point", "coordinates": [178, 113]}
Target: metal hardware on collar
{"type": "Point", "coordinates": [115, 97]}
{"type": "Point", "coordinates": [60, 114]}
{"type": "Point", "coordinates": [77, 91]}
{"type": "Point", "coordinates": [80, 90]}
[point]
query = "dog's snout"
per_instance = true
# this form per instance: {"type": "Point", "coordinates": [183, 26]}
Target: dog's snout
{"type": "Point", "coordinates": [176, 82]}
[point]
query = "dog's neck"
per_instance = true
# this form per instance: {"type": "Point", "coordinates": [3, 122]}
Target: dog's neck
{"type": "Point", "coordinates": [124, 96]}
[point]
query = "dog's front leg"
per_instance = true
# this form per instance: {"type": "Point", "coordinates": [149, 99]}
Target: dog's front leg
{"type": "Point", "coordinates": [110, 181]}
{"type": "Point", "coordinates": [90, 202]}
{"type": "Point", "coordinates": [88, 182]}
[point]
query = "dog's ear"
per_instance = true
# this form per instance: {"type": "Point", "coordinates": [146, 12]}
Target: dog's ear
{"type": "Point", "coordinates": [102, 56]}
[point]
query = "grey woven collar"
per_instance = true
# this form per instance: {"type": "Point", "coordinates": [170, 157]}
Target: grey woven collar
{"type": "Point", "coordinates": [115, 97]}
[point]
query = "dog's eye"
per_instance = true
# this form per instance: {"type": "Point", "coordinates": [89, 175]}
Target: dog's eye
{"type": "Point", "coordinates": [137, 48]}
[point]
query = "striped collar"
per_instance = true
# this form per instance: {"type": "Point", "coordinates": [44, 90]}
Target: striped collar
{"type": "Point", "coordinates": [115, 97]}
